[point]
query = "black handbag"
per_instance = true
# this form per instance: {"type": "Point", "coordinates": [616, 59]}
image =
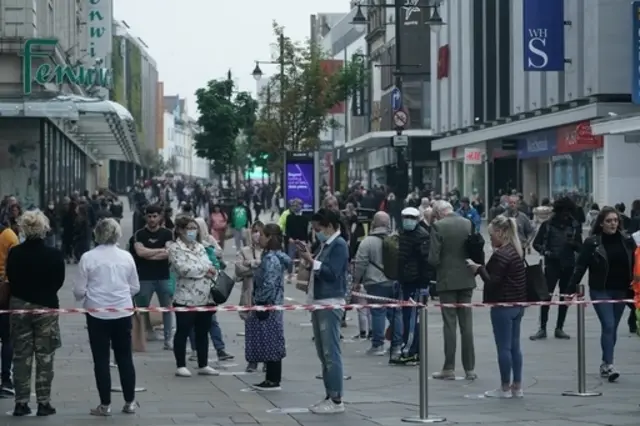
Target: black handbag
{"type": "Point", "coordinates": [537, 290]}
{"type": "Point", "coordinates": [222, 288]}
{"type": "Point", "coordinates": [474, 246]}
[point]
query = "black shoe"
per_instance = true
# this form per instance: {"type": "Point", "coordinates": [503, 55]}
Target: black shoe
{"type": "Point", "coordinates": [267, 386]}
{"type": "Point", "coordinates": [361, 336]}
{"type": "Point", "coordinates": [540, 335]}
{"type": "Point", "coordinates": [224, 356]}
{"type": "Point", "coordinates": [343, 324]}
{"type": "Point", "coordinates": [21, 409]}
{"type": "Point", "coordinates": [560, 334]}
{"type": "Point", "coordinates": [6, 390]}
{"type": "Point", "coordinates": [369, 335]}
{"type": "Point", "coordinates": [405, 360]}
{"type": "Point", "coordinates": [46, 410]}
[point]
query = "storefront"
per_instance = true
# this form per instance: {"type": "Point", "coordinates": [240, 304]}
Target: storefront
{"type": "Point", "coordinates": [465, 169]}
{"type": "Point", "coordinates": [534, 153]}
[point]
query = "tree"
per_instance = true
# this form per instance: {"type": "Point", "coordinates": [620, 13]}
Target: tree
{"type": "Point", "coordinates": [296, 104]}
{"type": "Point", "coordinates": [222, 117]}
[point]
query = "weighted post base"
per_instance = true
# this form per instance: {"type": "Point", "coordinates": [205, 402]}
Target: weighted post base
{"type": "Point", "coordinates": [426, 420]}
{"type": "Point", "coordinates": [581, 394]}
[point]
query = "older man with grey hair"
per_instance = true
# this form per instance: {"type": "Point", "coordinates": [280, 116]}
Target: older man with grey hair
{"type": "Point", "coordinates": [369, 273]}
{"type": "Point", "coordinates": [455, 284]}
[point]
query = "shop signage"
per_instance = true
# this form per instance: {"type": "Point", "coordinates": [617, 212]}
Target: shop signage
{"type": "Point", "coordinates": [635, 53]}
{"type": "Point", "coordinates": [58, 74]}
{"type": "Point", "coordinates": [443, 62]}
{"type": "Point", "coordinates": [543, 35]}
{"type": "Point", "coordinates": [578, 137]}
{"type": "Point", "coordinates": [542, 144]}
{"type": "Point", "coordinates": [473, 156]}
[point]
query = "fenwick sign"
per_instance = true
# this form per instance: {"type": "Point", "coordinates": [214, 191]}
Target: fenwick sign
{"type": "Point", "coordinates": [58, 74]}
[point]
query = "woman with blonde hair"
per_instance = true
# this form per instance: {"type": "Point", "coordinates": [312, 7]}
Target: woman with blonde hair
{"type": "Point", "coordinates": [505, 280]}
{"type": "Point", "coordinates": [35, 273]}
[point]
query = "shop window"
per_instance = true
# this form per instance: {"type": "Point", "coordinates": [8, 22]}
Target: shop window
{"type": "Point", "coordinates": [474, 181]}
{"type": "Point", "coordinates": [572, 175]}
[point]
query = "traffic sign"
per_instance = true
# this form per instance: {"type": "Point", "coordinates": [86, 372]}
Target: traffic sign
{"type": "Point", "coordinates": [400, 141]}
{"type": "Point", "coordinates": [400, 118]}
{"type": "Point", "coordinates": [396, 99]}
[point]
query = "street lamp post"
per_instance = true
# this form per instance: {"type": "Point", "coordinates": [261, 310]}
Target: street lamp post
{"type": "Point", "coordinates": [435, 22]}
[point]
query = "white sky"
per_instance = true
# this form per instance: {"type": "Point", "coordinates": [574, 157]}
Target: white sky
{"type": "Point", "coordinates": [194, 41]}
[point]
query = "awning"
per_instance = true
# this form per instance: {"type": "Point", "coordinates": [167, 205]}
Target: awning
{"type": "Point", "coordinates": [617, 125]}
{"type": "Point", "coordinates": [383, 138]}
{"type": "Point", "coordinates": [104, 128]}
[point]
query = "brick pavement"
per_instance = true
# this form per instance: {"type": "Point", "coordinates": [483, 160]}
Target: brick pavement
{"type": "Point", "coordinates": [377, 394]}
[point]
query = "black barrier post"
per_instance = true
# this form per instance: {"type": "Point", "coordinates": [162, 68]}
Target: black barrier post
{"type": "Point", "coordinates": [423, 377]}
{"type": "Point", "coordinates": [582, 362]}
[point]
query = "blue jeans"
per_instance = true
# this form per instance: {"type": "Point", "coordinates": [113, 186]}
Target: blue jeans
{"type": "Point", "coordinates": [609, 315]}
{"type": "Point", "coordinates": [410, 323]}
{"type": "Point", "coordinates": [216, 335]}
{"type": "Point", "coordinates": [506, 331]}
{"type": "Point", "coordinates": [163, 291]}
{"type": "Point", "coordinates": [326, 333]}
{"type": "Point", "coordinates": [292, 250]}
{"type": "Point", "coordinates": [380, 315]}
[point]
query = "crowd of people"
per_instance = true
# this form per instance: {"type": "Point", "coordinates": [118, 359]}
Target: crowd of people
{"type": "Point", "coordinates": [430, 248]}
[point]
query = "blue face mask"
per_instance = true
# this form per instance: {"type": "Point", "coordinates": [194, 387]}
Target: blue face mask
{"type": "Point", "coordinates": [321, 237]}
{"type": "Point", "coordinates": [409, 224]}
{"type": "Point", "coordinates": [192, 235]}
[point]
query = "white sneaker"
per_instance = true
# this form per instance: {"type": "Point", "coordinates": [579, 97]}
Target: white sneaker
{"type": "Point", "coordinates": [208, 371]}
{"type": "Point", "coordinates": [517, 393]}
{"type": "Point", "coordinates": [183, 372]}
{"type": "Point", "coordinates": [499, 393]}
{"type": "Point", "coordinates": [327, 407]}
{"type": "Point", "coordinates": [193, 356]}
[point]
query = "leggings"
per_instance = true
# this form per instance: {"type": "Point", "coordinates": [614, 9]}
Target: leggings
{"type": "Point", "coordinates": [201, 323]}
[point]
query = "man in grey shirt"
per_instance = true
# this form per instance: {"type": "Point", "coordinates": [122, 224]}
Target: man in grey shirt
{"type": "Point", "coordinates": [526, 232]}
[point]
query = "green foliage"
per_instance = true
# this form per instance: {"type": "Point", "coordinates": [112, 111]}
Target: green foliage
{"type": "Point", "coordinates": [227, 125]}
{"type": "Point", "coordinates": [296, 102]}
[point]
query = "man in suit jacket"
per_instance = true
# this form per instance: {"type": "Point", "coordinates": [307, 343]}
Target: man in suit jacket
{"type": "Point", "coordinates": [455, 284]}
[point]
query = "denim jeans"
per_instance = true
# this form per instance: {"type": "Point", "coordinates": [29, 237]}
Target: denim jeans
{"type": "Point", "coordinates": [216, 335]}
{"type": "Point", "coordinates": [410, 323]}
{"type": "Point", "coordinates": [380, 315]}
{"type": "Point", "coordinates": [292, 250]}
{"type": "Point", "coordinates": [506, 324]}
{"type": "Point", "coordinates": [143, 299]}
{"type": "Point", "coordinates": [609, 315]}
{"type": "Point", "coordinates": [326, 333]}
{"type": "Point", "coordinates": [238, 238]}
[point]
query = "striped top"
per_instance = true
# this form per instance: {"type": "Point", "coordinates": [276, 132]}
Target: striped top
{"type": "Point", "coordinates": [504, 276]}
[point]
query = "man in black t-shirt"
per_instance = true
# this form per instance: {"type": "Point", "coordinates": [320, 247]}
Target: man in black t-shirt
{"type": "Point", "coordinates": [152, 262]}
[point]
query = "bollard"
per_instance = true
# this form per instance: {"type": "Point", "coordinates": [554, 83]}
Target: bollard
{"type": "Point", "coordinates": [582, 361]}
{"type": "Point", "coordinates": [423, 379]}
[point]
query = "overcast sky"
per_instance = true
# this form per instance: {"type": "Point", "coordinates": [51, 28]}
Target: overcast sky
{"type": "Point", "coordinates": [194, 41]}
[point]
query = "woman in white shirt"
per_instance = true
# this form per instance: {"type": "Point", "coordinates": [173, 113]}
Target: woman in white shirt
{"type": "Point", "coordinates": [108, 279]}
{"type": "Point", "coordinates": [194, 277]}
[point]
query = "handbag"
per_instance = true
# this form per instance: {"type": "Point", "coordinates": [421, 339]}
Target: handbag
{"type": "Point", "coordinates": [537, 290]}
{"type": "Point", "coordinates": [222, 288]}
{"type": "Point", "coordinates": [302, 277]}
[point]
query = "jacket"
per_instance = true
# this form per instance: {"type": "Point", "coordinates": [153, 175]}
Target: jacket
{"type": "Point", "coordinates": [525, 228]}
{"type": "Point", "coordinates": [330, 276]}
{"type": "Point", "coordinates": [193, 287]}
{"type": "Point", "coordinates": [282, 221]}
{"type": "Point", "coordinates": [559, 241]}
{"type": "Point", "coordinates": [504, 277]}
{"type": "Point", "coordinates": [636, 270]}
{"type": "Point", "coordinates": [448, 253]}
{"type": "Point", "coordinates": [8, 240]}
{"type": "Point", "coordinates": [268, 286]}
{"type": "Point", "coordinates": [542, 213]}
{"type": "Point", "coordinates": [368, 260]}
{"type": "Point", "coordinates": [594, 258]}
{"type": "Point", "coordinates": [413, 253]}
{"type": "Point", "coordinates": [472, 215]}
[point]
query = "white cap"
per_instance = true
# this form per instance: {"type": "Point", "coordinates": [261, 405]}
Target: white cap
{"type": "Point", "coordinates": [410, 212]}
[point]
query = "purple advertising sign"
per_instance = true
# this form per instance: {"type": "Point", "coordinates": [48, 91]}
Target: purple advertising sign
{"type": "Point", "coordinates": [300, 184]}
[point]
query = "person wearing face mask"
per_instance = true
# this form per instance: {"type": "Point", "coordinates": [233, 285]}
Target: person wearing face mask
{"type": "Point", "coordinates": [608, 255]}
{"type": "Point", "coordinates": [194, 275]}
{"type": "Point", "coordinates": [414, 276]}
{"type": "Point", "coordinates": [54, 224]}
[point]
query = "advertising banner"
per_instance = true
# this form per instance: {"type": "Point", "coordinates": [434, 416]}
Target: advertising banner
{"type": "Point", "coordinates": [300, 184]}
{"type": "Point", "coordinates": [543, 27]}
{"type": "Point", "coordinates": [635, 54]}
{"type": "Point", "coordinates": [578, 137]}
{"type": "Point", "coordinates": [535, 145]}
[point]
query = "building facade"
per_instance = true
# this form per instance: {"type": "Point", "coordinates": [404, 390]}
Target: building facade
{"type": "Point", "coordinates": [57, 126]}
{"type": "Point", "coordinates": [516, 89]}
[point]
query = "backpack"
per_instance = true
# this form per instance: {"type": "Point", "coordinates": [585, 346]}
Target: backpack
{"type": "Point", "coordinates": [390, 255]}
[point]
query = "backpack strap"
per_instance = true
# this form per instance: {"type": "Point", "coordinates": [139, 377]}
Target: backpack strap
{"type": "Point", "coordinates": [374, 264]}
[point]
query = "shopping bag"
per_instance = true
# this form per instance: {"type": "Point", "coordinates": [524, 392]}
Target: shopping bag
{"type": "Point", "coordinates": [303, 277]}
{"type": "Point", "coordinates": [537, 290]}
{"type": "Point", "coordinates": [138, 335]}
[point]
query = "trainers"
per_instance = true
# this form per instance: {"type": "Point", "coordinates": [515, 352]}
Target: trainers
{"type": "Point", "coordinates": [560, 334]}
{"type": "Point", "coordinates": [183, 372]}
{"type": "Point", "coordinates": [517, 393]}
{"type": "Point", "coordinates": [252, 367]}
{"type": "Point", "coordinates": [130, 407]}
{"type": "Point", "coordinates": [45, 410]}
{"type": "Point", "coordinates": [21, 409]}
{"type": "Point", "coordinates": [376, 350]}
{"type": "Point", "coordinates": [267, 386]}
{"type": "Point", "coordinates": [541, 334]}
{"type": "Point", "coordinates": [168, 346]}
{"type": "Point", "coordinates": [208, 371]}
{"type": "Point", "coordinates": [470, 375]}
{"type": "Point", "coordinates": [499, 393]}
{"type": "Point", "coordinates": [7, 390]}
{"type": "Point", "coordinates": [405, 360]}
{"type": "Point", "coordinates": [360, 336]}
{"type": "Point", "coordinates": [609, 372]}
{"type": "Point", "coordinates": [444, 375]}
{"type": "Point", "coordinates": [224, 356]}
{"type": "Point", "coordinates": [101, 411]}
{"type": "Point", "coordinates": [328, 406]}
{"type": "Point", "coordinates": [193, 356]}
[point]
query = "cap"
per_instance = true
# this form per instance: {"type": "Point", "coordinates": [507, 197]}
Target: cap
{"type": "Point", "coordinates": [410, 212]}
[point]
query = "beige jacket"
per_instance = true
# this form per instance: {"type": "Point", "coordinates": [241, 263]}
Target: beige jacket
{"type": "Point", "coordinates": [244, 274]}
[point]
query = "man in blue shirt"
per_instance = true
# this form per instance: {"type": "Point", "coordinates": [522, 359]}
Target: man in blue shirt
{"type": "Point", "coordinates": [470, 213]}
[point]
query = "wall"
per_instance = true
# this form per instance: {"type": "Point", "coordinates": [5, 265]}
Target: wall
{"type": "Point", "coordinates": [159, 111]}
{"type": "Point", "coordinates": [621, 171]}
{"type": "Point", "coordinates": [20, 160]}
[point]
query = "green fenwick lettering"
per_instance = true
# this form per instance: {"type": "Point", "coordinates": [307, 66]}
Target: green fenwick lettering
{"type": "Point", "coordinates": [58, 74]}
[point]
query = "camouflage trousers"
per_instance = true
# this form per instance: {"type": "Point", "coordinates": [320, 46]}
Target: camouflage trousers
{"type": "Point", "coordinates": [33, 336]}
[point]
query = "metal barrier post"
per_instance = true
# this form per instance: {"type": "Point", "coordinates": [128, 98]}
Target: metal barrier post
{"type": "Point", "coordinates": [582, 362]}
{"type": "Point", "coordinates": [423, 379]}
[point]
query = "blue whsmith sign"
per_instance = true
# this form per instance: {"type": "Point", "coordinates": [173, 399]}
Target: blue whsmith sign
{"type": "Point", "coordinates": [543, 27]}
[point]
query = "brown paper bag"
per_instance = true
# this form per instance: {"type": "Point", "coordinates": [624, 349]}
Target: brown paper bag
{"type": "Point", "coordinates": [302, 278]}
{"type": "Point", "coordinates": [138, 334]}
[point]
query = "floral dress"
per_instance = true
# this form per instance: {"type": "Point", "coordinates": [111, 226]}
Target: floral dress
{"type": "Point", "coordinates": [264, 331]}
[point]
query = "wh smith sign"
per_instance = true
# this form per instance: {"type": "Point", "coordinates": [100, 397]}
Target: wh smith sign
{"type": "Point", "coordinates": [543, 26]}
{"type": "Point", "coordinates": [635, 55]}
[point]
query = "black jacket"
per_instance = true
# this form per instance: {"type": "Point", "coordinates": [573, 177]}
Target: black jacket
{"type": "Point", "coordinates": [559, 241]}
{"type": "Point", "coordinates": [593, 257]}
{"type": "Point", "coordinates": [413, 253]}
